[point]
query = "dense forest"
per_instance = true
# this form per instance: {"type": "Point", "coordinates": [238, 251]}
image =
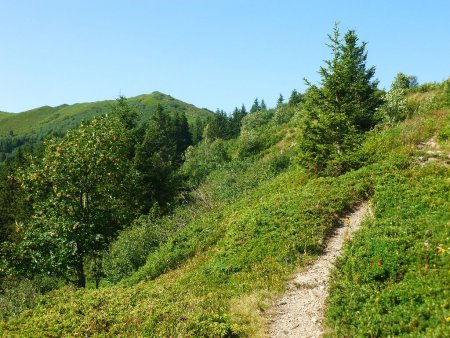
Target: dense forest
{"type": "Point", "coordinates": [150, 217]}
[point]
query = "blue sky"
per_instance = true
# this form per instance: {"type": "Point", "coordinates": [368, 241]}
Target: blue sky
{"type": "Point", "coordinates": [214, 54]}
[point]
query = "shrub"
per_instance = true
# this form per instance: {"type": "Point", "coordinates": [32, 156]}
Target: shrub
{"type": "Point", "coordinates": [395, 107]}
{"type": "Point", "coordinates": [129, 252]}
{"type": "Point", "coordinates": [202, 159]}
{"type": "Point", "coordinates": [256, 120]}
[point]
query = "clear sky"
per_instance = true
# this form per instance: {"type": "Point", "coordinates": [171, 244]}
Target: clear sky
{"type": "Point", "coordinates": [211, 53]}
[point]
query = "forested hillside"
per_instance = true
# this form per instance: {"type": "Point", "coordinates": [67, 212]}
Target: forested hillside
{"type": "Point", "coordinates": [20, 129]}
{"type": "Point", "coordinates": [158, 229]}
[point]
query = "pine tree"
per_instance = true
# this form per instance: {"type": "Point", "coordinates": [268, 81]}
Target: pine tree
{"type": "Point", "coordinates": [197, 130]}
{"type": "Point", "coordinates": [280, 100]}
{"type": "Point", "coordinates": [125, 112]}
{"type": "Point", "coordinates": [263, 105]}
{"type": "Point", "coordinates": [219, 126]}
{"type": "Point", "coordinates": [183, 136]}
{"type": "Point", "coordinates": [338, 112]}
{"type": "Point", "coordinates": [295, 98]}
{"type": "Point", "coordinates": [155, 160]}
{"type": "Point", "coordinates": [236, 119]}
{"type": "Point", "coordinates": [255, 107]}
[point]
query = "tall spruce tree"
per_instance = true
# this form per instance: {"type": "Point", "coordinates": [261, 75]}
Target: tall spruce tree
{"type": "Point", "coordinates": [197, 130]}
{"type": "Point", "coordinates": [263, 105]}
{"type": "Point", "coordinates": [155, 160]}
{"type": "Point", "coordinates": [280, 100]}
{"type": "Point", "coordinates": [183, 136]}
{"type": "Point", "coordinates": [339, 111]}
{"type": "Point", "coordinates": [255, 107]}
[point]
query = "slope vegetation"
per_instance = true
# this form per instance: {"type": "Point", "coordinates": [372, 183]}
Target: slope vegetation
{"type": "Point", "coordinates": [256, 219]}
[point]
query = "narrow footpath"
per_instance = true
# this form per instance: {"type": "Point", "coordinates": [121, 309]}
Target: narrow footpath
{"type": "Point", "coordinates": [299, 313]}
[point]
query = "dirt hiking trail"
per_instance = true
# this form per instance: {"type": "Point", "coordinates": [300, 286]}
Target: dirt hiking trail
{"type": "Point", "coordinates": [299, 313]}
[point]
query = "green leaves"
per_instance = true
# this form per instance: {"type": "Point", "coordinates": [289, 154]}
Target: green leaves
{"type": "Point", "coordinates": [80, 189]}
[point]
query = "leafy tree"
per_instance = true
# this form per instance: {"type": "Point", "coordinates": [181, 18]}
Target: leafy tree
{"type": "Point", "coordinates": [81, 188]}
{"type": "Point", "coordinates": [395, 107]}
{"type": "Point", "coordinates": [14, 206]}
{"type": "Point", "coordinates": [338, 112]}
{"type": "Point", "coordinates": [404, 82]}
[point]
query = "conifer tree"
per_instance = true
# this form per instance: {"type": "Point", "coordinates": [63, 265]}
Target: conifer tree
{"type": "Point", "coordinates": [255, 107]}
{"type": "Point", "coordinates": [236, 119]}
{"type": "Point", "coordinates": [280, 100]}
{"type": "Point", "coordinates": [341, 109]}
{"type": "Point", "coordinates": [183, 136]}
{"type": "Point", "coordinates": [295, 98]}
{"type": "Point", "coordinates": [197, 130]}
{"type": "Point", "coordinates": [218, 126]}
{"type": "Point", "coordinates": [155, 160]}
{"type": "Point", "coordinates": [263, 105]}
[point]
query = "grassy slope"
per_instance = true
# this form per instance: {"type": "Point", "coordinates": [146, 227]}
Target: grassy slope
{"type": "Point", "coordinates": [215, 277]}
{"type": "Point", "coordinates": [394, 278]}
{"type": "Point", "coordinates": [4, 115]}
{"type": "Point", "coordinates": [61, 118]}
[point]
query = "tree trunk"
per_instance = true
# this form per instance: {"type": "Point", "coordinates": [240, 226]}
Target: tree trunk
{"type": "Point", "coordinates": [81, 282]}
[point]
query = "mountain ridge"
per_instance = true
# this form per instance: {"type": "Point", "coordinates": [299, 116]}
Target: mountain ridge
{"type": "Point", "coordinates": [47, 119]}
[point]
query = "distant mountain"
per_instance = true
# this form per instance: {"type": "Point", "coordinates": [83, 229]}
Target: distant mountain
{"type": "Point", "coordinates": [44, 120]}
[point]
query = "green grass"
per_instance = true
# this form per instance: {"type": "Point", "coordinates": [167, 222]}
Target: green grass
{"type": "Point", "coordinates": [394, 278]}
{"type": "Point", "coordinates": [4, 115]}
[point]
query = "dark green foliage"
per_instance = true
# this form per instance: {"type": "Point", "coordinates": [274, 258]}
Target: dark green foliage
{"type": "Point", "coordinates": [182, 135]}
{"type": "Point", "coordinates": [197, 130]}
{"type": "Point", "coordinates": [155, 160]}
{"type": "Point", "coordinates": [126, 114]}
{"type": "Point", "coordinates": [280, 100]}
{"type": "Point", "coordinates": [236, 120]}
{"type": "Point", "coordinates": [218, 126]}
{"type": "Point", "coordinates": [14, 206]}
{"type": "Point", "coordinates": [295, 99]}
{"type": "Point", "coordinates": [255, 107]}
{"type": "Point", "coordinates": [341, 110]}
{"type": "Point", "coordinates": [263, 105]}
